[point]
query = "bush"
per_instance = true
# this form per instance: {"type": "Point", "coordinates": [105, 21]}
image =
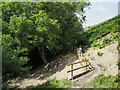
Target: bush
{"type": "Point", "coordinates": [100, 53]}
{"type": "Point", "coordinates": [118, 64]}
{"type": "Point", "coordinates": [94, 44]}
{"type": "Point", "coordinates": [105, 82]}
{"type": "Point", "coordinates": [107, 40]}
{"type": "Point", "coordinates": [98, 44]}
{"type": "Point", "coordinates": [12, 60]}
{"type": "Point", "coordinates": [101, 46]}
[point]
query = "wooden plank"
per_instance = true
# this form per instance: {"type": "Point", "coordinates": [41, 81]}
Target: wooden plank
{"type": "Point", "coordinates": [76, 63]}
{"type": "Point", "coordinates": [84, 59]}
{"type": "Point", "coordinates": [76, 69]}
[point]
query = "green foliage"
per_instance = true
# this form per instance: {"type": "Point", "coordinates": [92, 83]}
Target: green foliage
{"type": "Point", "coordinates": [98, 31]}
{"type": "Point", "coordinates": [118, 64]}
{"type": "Point", "coordinates": [12, 61]}
{"type": "Point", "coordinates": [100, 53]}
{"type": "Point", "coordinates": [105, 82]}
{"type": "Point", "coordinates": [53, 83]}
{"type": "Point", "coordinates": [28, 26]}
{"type": "Point", "coordinates": [104, 42]}
{"type": "Point", "coordinates": [107, 40]}
{"type": "Point", "coordinates": [118, 47]}
{"type": "Point", "coordinates": [54, 30]}
{"type": "Point", "coordinates": [96, 44]}
{"type": "Point", "coordinates": [99, 44]}
{"type": "Point", "coordinates": [115, 36]}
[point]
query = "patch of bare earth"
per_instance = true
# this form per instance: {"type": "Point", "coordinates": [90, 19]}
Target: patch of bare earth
{"type": "Point", "coordinates": [108, 60]}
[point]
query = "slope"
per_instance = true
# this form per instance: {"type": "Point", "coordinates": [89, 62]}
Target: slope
{"type": "Point", "coordinates": [96, 32]}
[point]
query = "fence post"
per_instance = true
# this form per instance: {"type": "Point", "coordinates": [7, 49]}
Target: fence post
{"type": "Point", "coordinates": [81, 57]}
{"type": "Point", "coordinates": [78, 53]}
{"type": "Point", "coordinates": [86, 64]}
{"type": "Point", "coordinates": [84, 61]}
{"type": "Point", "coordinates": [71, 71]}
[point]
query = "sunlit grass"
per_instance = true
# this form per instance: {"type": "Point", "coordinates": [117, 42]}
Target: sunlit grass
{"type": "Point", "coordinates": [105, 82]}
{"type": "Point", "coordinates": [54, 83]}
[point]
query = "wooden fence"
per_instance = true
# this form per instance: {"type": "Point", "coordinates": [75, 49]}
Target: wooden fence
{"type": "Point", "coordinates": [82, 59]}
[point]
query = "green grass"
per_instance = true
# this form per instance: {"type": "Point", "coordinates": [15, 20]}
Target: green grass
{"type": "Point", "coordinates": [107, 40]}
{"type": "Point", "coordinates": [103, 43]}
{"type": "Point", "coordinates": [54, 83]}
{"type": "Point", "coordinates": [118, 63]}
{"type": "Point", "coordinates": [99, 31]}
{"type": "Point", "coordinates": [100, 53]}
{"type": "Point", "coordinates": [105, 82]}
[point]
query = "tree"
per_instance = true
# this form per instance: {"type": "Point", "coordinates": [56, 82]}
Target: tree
{"type": "Point", "coordinates": [52, 26]}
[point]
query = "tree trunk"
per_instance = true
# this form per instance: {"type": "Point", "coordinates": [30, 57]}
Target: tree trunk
{"type": "Point", "coordinates": [43, 55]}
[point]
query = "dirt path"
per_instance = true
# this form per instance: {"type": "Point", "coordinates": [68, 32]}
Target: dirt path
{"type": "Point", "coordinates": [36, 77]}
{"type": "Point", "coordinates": [40, 75]}
{"type": "Point", "coordinates": [105, 64]}
{"type": "Point", "coordinates": [88, 76]}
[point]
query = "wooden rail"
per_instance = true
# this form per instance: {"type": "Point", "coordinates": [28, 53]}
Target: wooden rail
{"type": "Point", "coordinates": [76, 68]}
{"type": "Point", "coordinates": [82, 60]}
{"type": "Point", "coordinates": [76, 63]}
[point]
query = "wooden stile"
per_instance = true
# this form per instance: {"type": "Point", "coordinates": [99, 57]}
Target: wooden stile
{"type": "Point", "coordinates": [83, 61]}
{"type": "Point", "coordinates": [76, 69]}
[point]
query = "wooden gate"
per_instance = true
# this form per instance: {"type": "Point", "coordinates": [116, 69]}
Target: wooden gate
{"type": "Point", "coordinates": [82, 59]}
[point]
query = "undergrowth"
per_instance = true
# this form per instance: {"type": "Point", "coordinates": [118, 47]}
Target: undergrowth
{"type": "Point", "coordinates": [93, 34]}
{"type": "Point", "coordinates": [105, 82]}
{"type": "Point", "coordinates": [54, 83]}
{"type": "Point", "coordinates": [103, 43]}
{"type": "Point", "coordinates": [100, 53]}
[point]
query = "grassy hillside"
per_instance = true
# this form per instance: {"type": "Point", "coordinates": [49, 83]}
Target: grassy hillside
{"type": "Point", "coordinates": [96, 32]}
{"type": "Point", "coordinates": [99, 36]}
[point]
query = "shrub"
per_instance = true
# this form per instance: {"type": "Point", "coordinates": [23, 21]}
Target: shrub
{"type": "Point", "coordinates": [118, 64]}
{"type": "Point", "coordinates": [105, 82]}
{"type": "Point", "coordinates": [101, 46]}
{"type": "Point", "coordinates": [94, 44]}
{"type": "Point", "coordinates": [100, 53]}
{"type": "Point", "coordinates": [107, 40]}
{"type": "Point", "coordinates": [12, 61]}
